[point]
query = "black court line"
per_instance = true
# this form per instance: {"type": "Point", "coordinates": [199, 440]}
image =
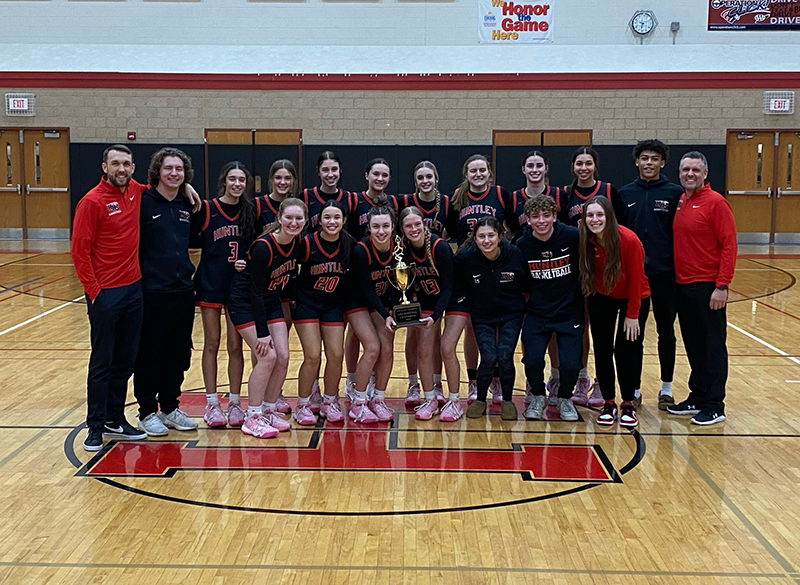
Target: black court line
{"type": "Point", "coordinates": [69, 452]}
{"type": "Point", "coordinates": [23, 259]}
{"type": "Point", "coordinates": [792, 282]}
{"type": "Point", "coordinates": [397, 568]}
{"type": "Point", "coordinates": [755, 532]}
{"type": "Point", "coordinates": [37, 436]}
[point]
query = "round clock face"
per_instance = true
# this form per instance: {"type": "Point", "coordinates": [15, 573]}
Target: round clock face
{"type": "Point", "coordinates": [643, 23]}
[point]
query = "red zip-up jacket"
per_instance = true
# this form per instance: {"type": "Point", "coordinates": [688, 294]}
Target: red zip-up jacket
{"type": "Point", "coordinates": [704, 238]}
{"type": "Point", "coordinates": [105, 237]}
{"type": "Point", "coordinates": [631, 283]}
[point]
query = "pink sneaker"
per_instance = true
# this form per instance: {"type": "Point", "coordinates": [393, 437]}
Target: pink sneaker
{"type": "Point", "coordinates": [438, 391]}
{"type": "Point", "coordinates": [332, 411]}
{"type": "Point", "coordinates": [360, 412]}
{"type": "Point", "coordinates": [275, 420]}
{"type": "Point", "coordinates": [496, 390]}
{"type": "Point", "coordinates": [581, 394]}
{"type": "Point", "coordinates": [281, 405]}
{"type": "Point", "coordinates": [412, 396]}
{"type": "Point", "coordinates": [472, 391]}
{"type": "Point", "coordinates": [214, 416]}
{"type": "Point", "coordinates": [235, 414]}
{"type": "Point", "coordinates": [315, 401]}
{"type": "Point", "coordinates": [350, 391]}
{"type": "Point", "coordinates": [451, 411]}
{"type": "Point", "coordinates": [427, 410]}
{"type": "Point", "coordinates": [304, 416]}
{"type": "Point", "coordinates": [257, 426]}
{"type": "Point", "coordinates": [383, 412]}
{"type": "Point", "coordinates": [596, 397]}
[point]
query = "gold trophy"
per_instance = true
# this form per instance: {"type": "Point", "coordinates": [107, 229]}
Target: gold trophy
{"type": "Point", "coordinates": [406, 314]}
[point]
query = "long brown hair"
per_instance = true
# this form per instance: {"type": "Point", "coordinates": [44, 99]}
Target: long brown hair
{"type": "Point", "coordinates": [413, 210]}
{"type": "Point", "coordinates": [426, 164]}
{"type": "Point", "coordinates": [610, 243]}
{"type": "Point", "coordinates": [461, 196]}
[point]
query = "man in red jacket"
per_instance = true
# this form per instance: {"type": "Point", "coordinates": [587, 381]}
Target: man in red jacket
{"type": "Point", "coordinates": [105, 246]}
{"type": "Point", "coordinates": [705, 257]}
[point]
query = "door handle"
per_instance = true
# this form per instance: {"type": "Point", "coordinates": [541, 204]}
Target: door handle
{"type": "Point", "coordinates": [768, 192]}
{"type": "Point", "coordinates": [782, 192]}
{"type": "Point", "coordinates": [17, 189]}
{"type": "Point", "coordinates": [29, 189]}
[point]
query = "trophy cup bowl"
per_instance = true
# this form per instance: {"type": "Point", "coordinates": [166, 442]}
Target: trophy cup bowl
{"type": "Point", "coordinates": [406, 314]}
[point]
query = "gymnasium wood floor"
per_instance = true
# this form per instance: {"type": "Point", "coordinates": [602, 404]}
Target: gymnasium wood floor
{"type": "Point", "coordinates": [478, 501]}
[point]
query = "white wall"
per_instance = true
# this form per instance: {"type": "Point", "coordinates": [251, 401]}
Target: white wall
{"type": "Point", "coordinates": [320, 22]}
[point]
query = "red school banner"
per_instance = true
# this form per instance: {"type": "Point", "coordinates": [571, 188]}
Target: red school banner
{"type": "Point", "coordinates": [753, 14]}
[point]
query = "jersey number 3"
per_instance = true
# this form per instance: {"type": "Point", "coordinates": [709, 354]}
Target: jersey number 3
{"type": "Point", "coordinates": [234, 251]}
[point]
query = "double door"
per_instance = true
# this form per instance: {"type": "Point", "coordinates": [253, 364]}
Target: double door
{"type": "Point", "coordinates": [763, 185]}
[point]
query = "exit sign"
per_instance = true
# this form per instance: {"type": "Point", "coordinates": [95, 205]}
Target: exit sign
{"type": "Point", "coordinates": [20, 104]}
{"type": "Point", "coordinates": [782, 105]}
{"type": "Point", "coordinates": [779, 102]}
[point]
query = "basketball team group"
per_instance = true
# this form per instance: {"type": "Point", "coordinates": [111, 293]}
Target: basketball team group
{"type": "Point", "coordinates": [548, 267]}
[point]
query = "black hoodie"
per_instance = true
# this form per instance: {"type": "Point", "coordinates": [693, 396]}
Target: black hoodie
{"type": "Point", "coordinates": [496, 288]}
{"type": "Point", "coordinates": [648, 209]}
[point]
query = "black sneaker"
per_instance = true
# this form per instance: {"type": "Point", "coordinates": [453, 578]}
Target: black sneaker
{"type": "Point", "coordinates": [123, 431]}
{"type": "Point", "coordinates": [94, 440]}
{"type": "Point", "coordinates": [683, 408]}
{"type": "Point", "coordinates": [707, 417]}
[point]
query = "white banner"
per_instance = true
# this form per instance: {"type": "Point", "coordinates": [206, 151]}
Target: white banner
{"type": "Point", "coordinates": [503, 21]}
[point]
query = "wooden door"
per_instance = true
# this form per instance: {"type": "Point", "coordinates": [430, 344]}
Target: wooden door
{"type": "Point", "coordinates": [46, 203]}
{"type": "Point", "coordinates": [11, 184]}
{"type": "Point", "coordinates": [787, 200]}
{"type": "Point", "coordinates": [750, 174]}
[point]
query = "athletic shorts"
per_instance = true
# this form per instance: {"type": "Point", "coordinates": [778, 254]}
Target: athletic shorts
{"type": "Point", "coordinates": [204, 299]}
{"type": "Point", "coordinates": [325, 316]}
{"type": "Point", "coordinates": [458, 306]}
{"type": "Point", "coordinates": [242, 316]}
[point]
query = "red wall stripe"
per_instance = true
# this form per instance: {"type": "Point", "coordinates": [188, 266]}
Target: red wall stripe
{"type": "Point", "coordinates": [382, 81]}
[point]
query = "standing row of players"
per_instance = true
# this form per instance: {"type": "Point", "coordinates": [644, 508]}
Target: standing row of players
{"type": "Point", "coordinates": [571, 260]}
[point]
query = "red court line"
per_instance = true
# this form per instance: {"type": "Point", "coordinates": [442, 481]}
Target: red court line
{"type": "Point", "coordinates": [27, 292]}
{"type": "Point", "coordinates": [760, 302]}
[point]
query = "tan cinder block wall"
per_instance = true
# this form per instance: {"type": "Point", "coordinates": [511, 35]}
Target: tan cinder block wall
{"type": "Point", "coordinates": [400, 117]}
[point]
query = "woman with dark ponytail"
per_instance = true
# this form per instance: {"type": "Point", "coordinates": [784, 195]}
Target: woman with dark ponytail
{"type": "Point", "coordinates": [377, 174]}
{"type": "Point", "coordinates": [329, 171]}
{"type": "Point", "coordinates": [229, 225]}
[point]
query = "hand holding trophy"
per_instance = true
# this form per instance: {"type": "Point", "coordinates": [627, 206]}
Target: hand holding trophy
{"type": "Point", "coordinates": [406, 314]}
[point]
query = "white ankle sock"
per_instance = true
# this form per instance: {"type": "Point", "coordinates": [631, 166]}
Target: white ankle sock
{"type": "Point", "coordinates": [637, 393]}
{"type": "Point", "coordinates": [437, 379]}
{"type": "Point", "coordinates": [251, 410]}
{"type": "Point", "coordinates": [234, 398]}
{"type": "Point", "coordinates": [212, 398]}
{"type": "Point", "coordinates": [302, 401]}
{"type": "Point", "coordinates": [361, 396]}
{"type": "Point", "coordinates": [413, 379]}
{"type": "Point", "coordinates": [379, 394]}
{"type": "Point", "coordinates": [351, 378]}
{"type": "Point", "coordinates": [328, 398]}
{"type": "Point", "coordinates": [452, 396]}
{"type": "Point", "coordinates": [666, 388]}
{"type": "Point", "coordinates": [430, 395]}
{"type": "Point", "coordinates": [584, 373]}
{"type": "Point", "coordinates": [268, 407]}
{"type": "Point", "coordinates": [554, 373]}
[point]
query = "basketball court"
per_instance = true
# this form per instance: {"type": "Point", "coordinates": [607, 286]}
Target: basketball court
{"type": "Point", "coordinates": [477, 501]}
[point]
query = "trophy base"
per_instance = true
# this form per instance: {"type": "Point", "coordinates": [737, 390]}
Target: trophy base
{"type": "Point", "coordinates": [407, 315]}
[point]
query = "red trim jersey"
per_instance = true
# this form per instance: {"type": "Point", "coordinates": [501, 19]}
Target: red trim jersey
{"type": "Point", "coordinates": [315, 199]}
{"type": "Point", "coordinates": [372, 269]}
{"type": "Point", "coordinates": [631, 282]}
{"type": "Point", "coordinates": [221, 248]}
{"type": "Point", "coordinates": [573, 198]}
{"type": "Point", "coordinates": [433, 284]}
{"type": "Point", "coordinates": [321, 282]}
{"type": "Point", "coordinates": [361, 203]}
{"type": "Point", "coordinates": [433, 220]}
{"type": "Point", "coordinates": [520, 197]}
{"type": "Point", "coordinates": [267, 209]}
{"type": "Point", "coordinates": [495, 201]}
{"type": "Point", "coordinates": [105, 237]}
{"type": "Point", "coordinates": [704, 238]}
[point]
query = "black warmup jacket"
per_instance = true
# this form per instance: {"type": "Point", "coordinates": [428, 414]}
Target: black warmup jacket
{"type": "Point", "coordinates": [496, 289]}
{"type": "Point", "coordinates": [164, 234]}
{"type": "Point", "coordinates": [648, 209]}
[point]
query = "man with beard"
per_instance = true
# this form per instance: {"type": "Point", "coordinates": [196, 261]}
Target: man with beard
{"type": "Point", "coordinates": [105, 252]}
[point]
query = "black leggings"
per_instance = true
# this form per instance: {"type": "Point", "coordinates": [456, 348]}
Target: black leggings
{"type": "Point", "coordinates": [606, 320]}
{"type": "Point", "coordinates": [497, 343]}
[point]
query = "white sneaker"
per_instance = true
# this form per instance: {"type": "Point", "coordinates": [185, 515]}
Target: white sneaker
{"type": "Point", "coordinates": [153, 426]}
{"type": "Point", "coordinates": [177, 420]}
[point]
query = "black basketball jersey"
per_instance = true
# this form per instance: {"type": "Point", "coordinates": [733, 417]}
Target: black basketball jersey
{"type": "Point", "coordinates": [573, 198]}
{"type": "Point", "coordinates": [428, 280]}
{"type": "Point", "coordinates": [315, 199]}
{"type": "Point", "coordinates": [321, 282]}
{"type": "Point", "coordinates": [373, 269]}
{"type": "Point", "coordinates": [221, 248]}
{"type": "Point", "coordinates": [281, 265]}
{"type": "Point", "coordinates": [435, 221]}
{"type": "Point", "coordinates": [520, 197]}
{"type": "Point", "coordinates": [267, 209]}
{"type": "Point", "coordinates": [359, 212]}
{"type": "Point", "coordinates": [495, 201]}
